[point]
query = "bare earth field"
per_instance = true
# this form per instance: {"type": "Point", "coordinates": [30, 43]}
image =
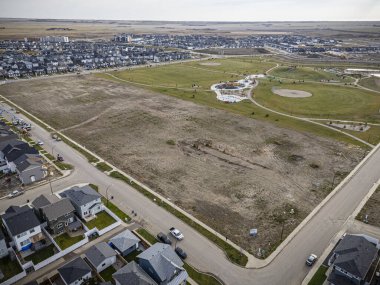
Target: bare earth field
{"type": "Point", "coordinates": [371, 208]}
{"type": "Point", "coordinates": [232, 172]}
{"type": "Point", "coordinates": [362, 32]}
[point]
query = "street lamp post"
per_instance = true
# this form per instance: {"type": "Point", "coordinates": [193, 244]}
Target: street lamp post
{"type": "Point", "coordinates": [107, 193]}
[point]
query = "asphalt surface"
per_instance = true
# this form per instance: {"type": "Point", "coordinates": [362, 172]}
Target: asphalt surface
{"type": "Point", "coordinates": [289, 265]}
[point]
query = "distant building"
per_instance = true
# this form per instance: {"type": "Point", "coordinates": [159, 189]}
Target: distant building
{"type": "Point", "coordinates": [55, 39]}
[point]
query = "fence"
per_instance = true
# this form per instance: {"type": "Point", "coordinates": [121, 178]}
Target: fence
{"type": "Point", "coordinates": [17, 277]}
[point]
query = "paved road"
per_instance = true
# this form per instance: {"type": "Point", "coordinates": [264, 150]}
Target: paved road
{"type": "Point", "coordinates": [287, 268]}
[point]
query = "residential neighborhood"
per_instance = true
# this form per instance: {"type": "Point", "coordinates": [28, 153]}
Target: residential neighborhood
{"type": "Point", "coordinates": [39, 233]}
{"type": "Point", "coordinates": [56, 55]}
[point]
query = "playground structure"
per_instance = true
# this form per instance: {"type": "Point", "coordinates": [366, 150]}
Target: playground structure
{"type": "Point", "coordinates": [234, 91]}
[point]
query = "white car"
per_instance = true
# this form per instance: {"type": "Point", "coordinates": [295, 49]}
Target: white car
{"type": "Point", "coordinates": [40, 143]}
{"type": "Point", "coordinates": [176, 233]}
{"type": "Point", "coordinates": [16, 193]}
{"type": "Point", "coordinates": [311, 259]}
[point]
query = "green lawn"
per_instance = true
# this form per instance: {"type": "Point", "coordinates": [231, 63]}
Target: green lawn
{"type": "Point", "coordinates": [319, 277]}
{"type": "Point", "coordinates": [107, 273]}
{"type": "Point", "coordinates": [9, 268]}
{"type": "Point", "coordinates": [328, 101]}
{"type": "Point", "coordinates": [101, 221]}
{"type": "Point", "coordinates": [132, 256]}
{"type": "Point", "coordinates": [201, 278]}
{"type": "Point", "coordinates": [41, 255]}
{"type": "Point", "coordinates": [123, 216]}
{"type": "Point", "coordinates": [102, 166]}
{"type": "Point", "coordinates": [371, 83]}
{"type": "Point", "coordinates": [147, 235]}
{"type": "Point", "coordinates": [64, 240]}
{"type": "Point", "coordinates": [306, 73]}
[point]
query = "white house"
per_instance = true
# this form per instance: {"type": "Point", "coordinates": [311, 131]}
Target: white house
{"type": "Point", "coordinates": [23, 226]}
{"type": "Point", "coordinates": [86, 201]}
{"type": "Point", "coordinates": [101, 256]}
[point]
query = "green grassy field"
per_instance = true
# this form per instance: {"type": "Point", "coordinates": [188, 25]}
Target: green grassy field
{"type": "Point", "coordinates": [306, 73]}
{"type": "Point", "coordinates": [241, 65]}
{"type": "Point", "coordinates": [371, 83]}
{"type": "Point", "coordinates": [328, 101]}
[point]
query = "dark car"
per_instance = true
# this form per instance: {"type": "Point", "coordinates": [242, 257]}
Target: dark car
{"type": "Point", "coordinates": [164, 238]}
{"type": "Point", "coordinates": [181, 253]}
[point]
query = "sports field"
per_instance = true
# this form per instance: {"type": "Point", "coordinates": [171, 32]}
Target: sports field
{"type": "Point", "coordinates": [328, 101]}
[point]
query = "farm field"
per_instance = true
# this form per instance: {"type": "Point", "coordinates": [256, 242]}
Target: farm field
{"type": "Point", "coordinates": [307, 74]}
{"type": "Point", "coordinates": [231, 171]}
{"type": "Point", "coordinates": [328, 101]}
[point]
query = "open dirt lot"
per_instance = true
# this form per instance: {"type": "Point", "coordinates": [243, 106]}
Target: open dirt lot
{"type": "Point", "coordinates": [291, 93]}
{"type": "Point", "coordinates": [371, 210]}
{"type": "Point", "coordinates": [232, 172]}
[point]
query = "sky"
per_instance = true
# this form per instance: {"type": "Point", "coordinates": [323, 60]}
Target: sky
{"type": "Point", "coordinates": [195, 10]}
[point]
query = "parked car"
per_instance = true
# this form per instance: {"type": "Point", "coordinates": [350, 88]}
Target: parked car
{"type": "Point", "coordinates": [60, 158]}
{"type": "Point", "coordinates": [176, 233]}
{"type": "Point", "coordinates": [16, 193]}
{"type": "Point", "coordinates": [181, 253]}
{"type": "Point", "coordinates": [311, 259]}
{"type": "Point", "coordinates": [40, 143]}
{"type": "Point", "coordinates": [164, 238]}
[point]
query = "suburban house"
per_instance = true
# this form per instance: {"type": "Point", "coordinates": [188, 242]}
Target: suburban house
{"type": "Point", "coordinates": [59, 215]}
{"type": "Point", "coordinates": [3, 245]}
{"type": "Point", "coordinates": [13, 151]}
{"type": "Point", "coordinates": [125, 242]}
{"type": "Point", "coordinates": [86, 201]}
{"type": "Point", "coordinates": [30, 168]}
{"type": "Point", "coordinates": [162, 264]}
{"type": "Point", "coordinates": [75, 272]}
{"type": "Point", "coordinates": [101, 256]}
{"type": "Point", "coordinates": [351, 260]}
{"type": "Point", "coordinates": [23, 226]}
{"type": "Point", "coordinates": [43, 201]}
{"type": "Point", "coordinates": [132, 274]}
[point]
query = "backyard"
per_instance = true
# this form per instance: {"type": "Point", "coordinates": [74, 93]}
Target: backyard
{"type": "Point", "coordinates": [64, 240]}
{"type": "Point", "coordinates": [9, 268]}
{"type": "Point", "coordinates": [102, 220]}
{"type": "Point", "coordinates": [42, 254]}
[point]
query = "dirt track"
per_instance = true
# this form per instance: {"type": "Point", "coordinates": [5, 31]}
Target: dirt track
{"type": "Point", "coordinates": [232, 172]}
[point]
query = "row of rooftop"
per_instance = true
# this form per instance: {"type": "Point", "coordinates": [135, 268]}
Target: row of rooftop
{"type": "Point", "coordinates": [33, 58]}
{"type": "Point", "coordinates": [289, 43]}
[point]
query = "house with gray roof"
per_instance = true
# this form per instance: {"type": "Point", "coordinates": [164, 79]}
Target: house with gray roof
{"type": "Point", "coordinates": [59, 215]}
{"type": "Point", "coordinates": [86, 201]}
{"type": "Point", "coordinates": [23, 226]}
{"type": "Point", "coordinates": [101, 256]}
{"type": "Point", "coordinates": [125, 242]}
{"type": "Point", "coordinates": [132, 274]}
{"type": "Point", "coordinates": [30, 168]}
{"type": "Point", "coordinates": [75, 272]}
{"type": "Point", "coordinates": [351, 260]}
{"type": "Point", "coordinates": [163, 265]}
